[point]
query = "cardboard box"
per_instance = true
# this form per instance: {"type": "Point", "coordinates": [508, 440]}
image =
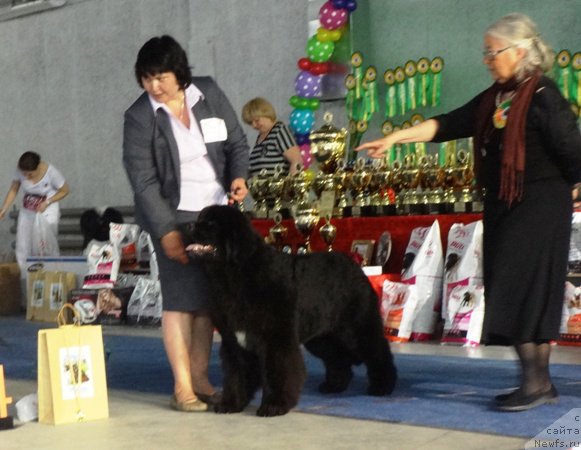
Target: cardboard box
{"type": "Point", "coordinates": [10, 290]}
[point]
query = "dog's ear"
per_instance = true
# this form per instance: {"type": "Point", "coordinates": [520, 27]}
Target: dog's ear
{"type": "Point", "coordinates": [241, 240]}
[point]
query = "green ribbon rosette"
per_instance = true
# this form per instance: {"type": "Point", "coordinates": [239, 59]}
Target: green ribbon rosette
{"type": "Point", "coordinates": [424, 81]}
{"type": "Point", "coordinates": [356, 63]}
{"type": "Point", "coordinates": [386, 130]}
{"type": "Point", "coordinates": [390, 97]}
{"type": "Point", "coordinates": [436, 67]}
{"type": "Point", "coordinates": [370, 98]}
{"type": "Point", "coordinates": [420, 146]}
{"type": "Point", "coordinates": [564, 75]}
{"type": "Point", "coordinates": [411, 70]}
{"type": "Point", "coordinates": [576, 66]}
{"type": "Point", "coordinates": [350, 104]}
{"type": "Point", "coordinates": [400, 89]}
{"type": "Point", "coordinates": [397, 148]}
{"type": "Point", "coordinates": [353, 138]}
{"type": "Point", "coordinates": [408, 149]}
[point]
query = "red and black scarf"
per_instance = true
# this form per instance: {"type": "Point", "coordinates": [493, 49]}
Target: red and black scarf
{"type": "Point", "coordinates": [513, 140]}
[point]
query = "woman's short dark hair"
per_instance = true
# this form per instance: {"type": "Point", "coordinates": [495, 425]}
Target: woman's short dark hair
{"type": "Point", "coordinates": [28, 161]}
{"type": "Point", "coordinates": [163, 54]}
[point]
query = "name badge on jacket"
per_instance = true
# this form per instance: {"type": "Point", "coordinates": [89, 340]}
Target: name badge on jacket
{"type": "Point", "coordinates": [214, 130]}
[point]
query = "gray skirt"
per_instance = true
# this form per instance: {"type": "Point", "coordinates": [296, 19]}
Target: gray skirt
{"type": "Point", "coordinates": [184, 288]}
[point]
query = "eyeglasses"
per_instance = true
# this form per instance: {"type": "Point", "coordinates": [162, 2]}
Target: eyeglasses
{"type": "Point", "coordinates": [491, 54]}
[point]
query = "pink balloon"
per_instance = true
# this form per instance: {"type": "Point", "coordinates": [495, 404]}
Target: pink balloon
{"type": "Point", "coordinates": [332, 18]}
{"type": "Point", "coordinates": [306, 155]}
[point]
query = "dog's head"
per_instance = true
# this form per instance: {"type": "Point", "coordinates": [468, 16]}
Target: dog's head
{"type": "Point", "coordinates": [223, 233]}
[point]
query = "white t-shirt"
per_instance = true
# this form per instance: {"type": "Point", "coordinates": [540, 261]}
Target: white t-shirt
{"type": "Point", "coordinates": [48, 185]}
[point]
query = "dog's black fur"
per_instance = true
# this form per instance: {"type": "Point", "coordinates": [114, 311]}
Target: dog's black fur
{"type": "Point", "coordinates": [267, 303]}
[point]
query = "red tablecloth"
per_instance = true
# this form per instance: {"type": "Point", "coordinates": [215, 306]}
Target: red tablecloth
{"type": "Point", "coordinates": [354, 228]}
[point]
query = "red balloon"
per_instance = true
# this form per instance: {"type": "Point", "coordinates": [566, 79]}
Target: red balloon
{"type": "Point", "coordinates": [305, 63]}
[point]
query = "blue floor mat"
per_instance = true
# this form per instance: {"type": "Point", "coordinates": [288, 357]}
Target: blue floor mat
{"type": "Point", "coordinates": [437, 391]}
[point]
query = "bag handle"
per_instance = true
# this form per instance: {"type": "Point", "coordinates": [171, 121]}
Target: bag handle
{"type": "Point", "coordinates": [62, 319]}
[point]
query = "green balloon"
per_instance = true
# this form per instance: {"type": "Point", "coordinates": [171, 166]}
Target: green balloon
{"type": "Point", "coordinates": [314, 103]}
{"type": "Point", "coordinates": [319, 51]}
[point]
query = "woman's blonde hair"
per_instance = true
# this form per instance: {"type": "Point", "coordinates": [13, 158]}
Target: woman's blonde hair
{"type": "Point", "coordinates": [257, 107]}
{"type": "Point", "coordinates": [519, 31]}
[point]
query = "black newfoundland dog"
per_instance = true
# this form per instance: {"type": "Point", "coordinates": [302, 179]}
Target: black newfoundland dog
{"type": "Point", "coordinates": [267, 303]}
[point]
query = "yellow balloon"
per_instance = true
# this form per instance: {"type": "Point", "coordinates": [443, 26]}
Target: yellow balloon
{"type": "Point", "coordinates": [335, 35]}
{"type": "Point", "coordinates": [323, 35]}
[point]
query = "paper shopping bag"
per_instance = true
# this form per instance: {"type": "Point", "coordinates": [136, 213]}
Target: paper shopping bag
{"type": "Point", "coordinates": [48, 291]}
{"type": "Point", "coordinates": [72, 385]}
{"type": "Point", "coordinates": [35, 295]}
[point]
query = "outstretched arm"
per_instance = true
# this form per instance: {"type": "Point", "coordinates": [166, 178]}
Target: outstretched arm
{"type": "Point", "coordinates": [10, 196]}
{"type": "Point", "coordinates": [422, 132]}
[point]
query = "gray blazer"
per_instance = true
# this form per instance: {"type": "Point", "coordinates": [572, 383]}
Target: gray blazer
{"type": "Point", "coordinates": [151, 157]}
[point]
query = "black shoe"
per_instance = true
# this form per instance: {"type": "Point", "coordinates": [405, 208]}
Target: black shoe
{"type": "Point", "coordinates": [504, 397]}
{"type": "Point", "coordinates": [210, 399]}
{"type": "Point", "coordinates": [523, 402]}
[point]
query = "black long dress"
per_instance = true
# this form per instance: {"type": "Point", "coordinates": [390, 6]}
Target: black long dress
{"type": "Point", "coordinates": [525, 247]}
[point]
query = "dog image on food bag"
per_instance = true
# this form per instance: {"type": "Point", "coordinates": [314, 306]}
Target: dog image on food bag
{"type": "Point", "coordinates": [267, 303]}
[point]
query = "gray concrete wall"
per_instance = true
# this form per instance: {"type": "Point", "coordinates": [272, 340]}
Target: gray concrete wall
{"type": "Point", "coordinates": [66, 76]}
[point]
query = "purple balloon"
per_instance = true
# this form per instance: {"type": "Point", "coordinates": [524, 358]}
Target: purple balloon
{"type": "Point", "coordinates": [302, 139]}
{"type": "Point", "coordinates": [350, 5]}
{"type": "Point", "coordinates": [339, 3]}
{"type": "Point", "coordinates": [308, 85]}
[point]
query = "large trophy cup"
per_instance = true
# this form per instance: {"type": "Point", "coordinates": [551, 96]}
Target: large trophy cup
{"type": "Point", "coordinates": [277, 233]}
{"type": "Point", "coordinates": [328, 148]}
{"type": "Point", "coordinates": [328, 233]}
{"type": "Point", "coordinates": [258, 187]}
{"type": "Point", "coordinates": [306, 219]}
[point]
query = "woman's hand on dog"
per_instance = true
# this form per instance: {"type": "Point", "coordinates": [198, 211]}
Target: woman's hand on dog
{"type": "Point", "coordinates": [173, 246]}
{"type": "Point", "coordinates": [238, 190]}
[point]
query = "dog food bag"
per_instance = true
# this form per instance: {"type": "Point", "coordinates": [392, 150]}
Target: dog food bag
{"type": "Point", "coordinates": [570, 331]}
{"type": "Point", "coordinates": [145, 304]}
{"type": "Point", "coordinates": [575, 244]}
{"type": "Point", "coordinates": [398, 307]}
{"type": "Point", "coordinates": [423, 267]}
{"type": "Point", "coordinates": [463, 266]}
{"type": "Point", "coordinates": [124, 236]}
{"type": "Point", "coordinates": [103, 261]}
{"type": "Point", "coordinates": [464, 316]}
{"type": "Point", "coordinates": [101, 306]}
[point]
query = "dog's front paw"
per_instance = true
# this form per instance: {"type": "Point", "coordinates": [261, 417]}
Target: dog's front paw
{"type": "Point", "coordinates": [226, 408]}
{"type": "Point", "coordinates": [270, 410]}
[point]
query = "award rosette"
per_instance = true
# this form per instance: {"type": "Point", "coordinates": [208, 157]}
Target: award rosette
{"type": "Point", "coordinates": [576, 66]}
{"type": "Point", "coordinates": [410, 70]}
{"type": "Point", "coordinates": [356, 63]}
{"type": "Point", "coordinates": [390, 95]}
{"type": "Point", "coordinates": [416, 119]}
{"type": "Point", "coordinates": [423, 86]}
{"type": "Point", "coordinates": [350, 104]}
{"type": "Point", "coordinates": [401, 90]}
{"type": "Point", "coordinates": [564, 75]}
{"type": "Point", "coordinates": [387, 129]}
{"type": "Point", "coordinates": [370, 99]}
{"type": "Point", "coordinates": [436, 67]}
{"type": "Point", "coordinates": [408, 149]}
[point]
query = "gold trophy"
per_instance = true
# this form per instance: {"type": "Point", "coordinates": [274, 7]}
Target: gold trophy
{"type": "Point", "coordinates": [277, 233]}
{"type": "Point", "coordinates": [328, 233]}
{"type": "Point", "coordinates": [298, 187]}
{"type": "Point", "coordinates": [328, 145]}
{"type": "Point", "coordinates": [433, 181]}
{"type": "Point", "coordinates": [341, 182]}
{"type": "Point", "coordinates": [258, 187]}
{"type": "Point", "coordinates": [275, 189]}
{"type": "Point", "coordinates": [359, 187]}
{"type": "Point", "coordinates": [306, 219]}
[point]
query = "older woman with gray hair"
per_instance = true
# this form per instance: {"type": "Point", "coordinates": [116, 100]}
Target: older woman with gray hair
{"type": "Point", "coordinates": [527, 156]}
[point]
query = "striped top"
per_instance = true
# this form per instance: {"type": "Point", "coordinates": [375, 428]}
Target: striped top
{"type": "Point", "coordinates": [268, 153]}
